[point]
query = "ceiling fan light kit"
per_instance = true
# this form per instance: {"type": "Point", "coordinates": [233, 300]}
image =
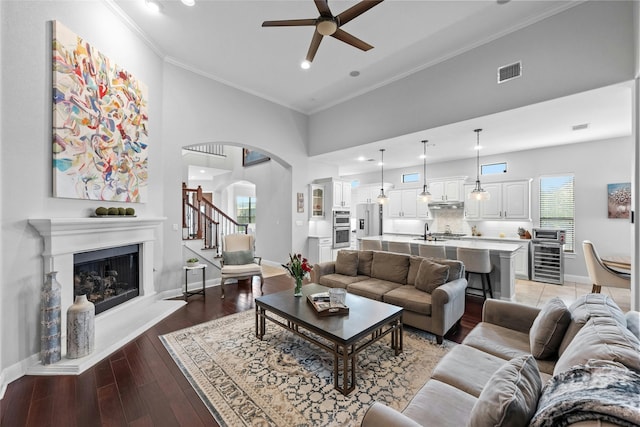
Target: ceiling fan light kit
{"type": "Point", "coordinates": [478, 193]}
{"type": "Point", "coordinates": [329, 25]}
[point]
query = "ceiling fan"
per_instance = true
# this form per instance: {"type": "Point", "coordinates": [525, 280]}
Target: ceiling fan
{"type": "Point", "coordinates": [329, 25]}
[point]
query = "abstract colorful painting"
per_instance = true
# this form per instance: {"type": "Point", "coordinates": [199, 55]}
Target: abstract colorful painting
{"type": "Point", "coordinates": [619, 200]}
{"type": "Point", "coordinates": [99, 124]}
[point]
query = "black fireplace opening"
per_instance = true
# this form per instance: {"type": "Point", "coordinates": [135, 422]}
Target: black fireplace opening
{"type": "Point", "coordinates": [107, 277]}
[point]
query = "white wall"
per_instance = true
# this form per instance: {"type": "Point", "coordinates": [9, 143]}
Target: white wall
{"type": "Point", "coordinates": [585, 47]}
{"type": "Point", "coordinates": [26, 173]}
{"type": "Point", "coordinates": [594, 165]}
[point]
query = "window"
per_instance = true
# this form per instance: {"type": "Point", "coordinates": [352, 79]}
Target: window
{"type": "Point", "coordinates": [557, 206]}
{"type": "Point", "coordinates": [494, 168]}
{"type": "Point", "coordinates": [246, 210]}
{"type": "Point", "coordinates": [410, 177]}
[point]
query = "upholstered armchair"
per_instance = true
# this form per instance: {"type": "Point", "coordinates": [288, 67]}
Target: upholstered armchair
{"type": "Point", "coordinates": [239, 260]}
{"type": "Point", "coordinates": [600, 274]}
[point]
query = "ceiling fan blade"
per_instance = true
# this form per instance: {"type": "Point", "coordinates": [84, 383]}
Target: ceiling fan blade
{"type": "Point", "coordinates": [289, 23]}
{"type": "Point", "coordinates": [313, 48]}
{"type": "Point", "coordinates": [352, 40]}
{"type": "Point", "coordinates": [356, 10]}
{"type": "Point", "coordinates": [323, 7]}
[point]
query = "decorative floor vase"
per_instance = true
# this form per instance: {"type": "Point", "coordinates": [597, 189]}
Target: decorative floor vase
{"type": "Point", "coordinates": [80, 328]}
{"type": "Point", "coordinates": [298, 289]}
{"type": "Point", "coordinates": [50, 319]}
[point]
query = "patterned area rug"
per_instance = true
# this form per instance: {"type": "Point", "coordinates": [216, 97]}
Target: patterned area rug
{"type": "Point", "coordinates": [286, 381]}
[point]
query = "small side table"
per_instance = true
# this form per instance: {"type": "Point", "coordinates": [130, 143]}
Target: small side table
{"type": "Point", "coordinates": [187, 292]}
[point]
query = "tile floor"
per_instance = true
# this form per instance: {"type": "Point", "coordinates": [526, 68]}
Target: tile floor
{"type": "Point", "coordinates": [536, 293]}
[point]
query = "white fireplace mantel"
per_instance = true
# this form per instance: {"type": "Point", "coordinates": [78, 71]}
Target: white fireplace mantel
{"type": "Point", "coordinates": [64, 237]}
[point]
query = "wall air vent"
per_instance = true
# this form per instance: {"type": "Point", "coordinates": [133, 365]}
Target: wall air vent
{"type": "Point", "coordinates": [509, 72]}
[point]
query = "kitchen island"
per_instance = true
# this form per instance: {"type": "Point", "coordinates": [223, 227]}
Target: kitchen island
{"type": "Point", "coordinates": [503, 278]}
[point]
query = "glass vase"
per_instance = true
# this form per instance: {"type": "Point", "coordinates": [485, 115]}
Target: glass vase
{"type": "Point", "coordinates": [298, 289]}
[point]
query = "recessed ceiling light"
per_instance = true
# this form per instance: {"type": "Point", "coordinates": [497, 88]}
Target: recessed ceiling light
{"type": "Point", "coordinates": [354, 73]}
{"type": "Point", "coordinates": [362, 158]}
{"type": "Point", "coordinates": [152, 5]}
{"type": "Point", "coordinates": [188, 2]}
{"type": "Point", "coordinates": [305, 65]}
{"type": "Point", "coordinates": [202, 171]}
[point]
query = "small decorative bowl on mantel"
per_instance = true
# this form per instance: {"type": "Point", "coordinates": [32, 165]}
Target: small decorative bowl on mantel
{"type": "Point", "coordinates": [193, 262]}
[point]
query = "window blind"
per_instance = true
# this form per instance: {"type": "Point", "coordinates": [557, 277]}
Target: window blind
{"type": "Point", "coordinates": [557, 206]}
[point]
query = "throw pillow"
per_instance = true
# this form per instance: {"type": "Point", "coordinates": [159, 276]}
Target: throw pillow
{"type": "Point", "coordinates": [414, 265]}
{"type": "Point", "coordinates": [390, 266]}
{"type": "Point", "coordinates": [431, 275]}
{"type": "Point", "coordinates": [237, 257]}
{"type": "Point", "coordinates": [511, 395]}
{"type": "Point", "coordinates": [347, 263]}
{"type": "Point", "coordinates": [365, 258]}
{"type": "Point", "coordinates": [548, 329]}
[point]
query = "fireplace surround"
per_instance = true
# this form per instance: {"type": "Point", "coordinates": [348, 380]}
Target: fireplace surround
{"type": "Point", "coordinates": [66, 237]}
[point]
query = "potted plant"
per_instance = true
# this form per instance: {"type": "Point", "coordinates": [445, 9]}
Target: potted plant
{"type": "Point", "coordinates": [193, 262]}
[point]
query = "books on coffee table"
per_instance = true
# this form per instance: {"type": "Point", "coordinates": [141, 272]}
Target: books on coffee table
{"type": "Point", "coordinates": [320, 302]}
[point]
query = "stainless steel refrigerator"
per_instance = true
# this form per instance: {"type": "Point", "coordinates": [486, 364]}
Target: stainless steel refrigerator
{"type": "Point", "coordinates": [368, 220]}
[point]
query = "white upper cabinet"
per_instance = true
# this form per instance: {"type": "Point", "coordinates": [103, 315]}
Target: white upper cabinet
{"type": "Point", "coordinates": [446, 190]}
{"type": "Point", "coordinates": [508, 201]}
{"type": "Point", "coordinates": [367, 193]}
{"type": "Point", "coordinates": [341, 194]}
{"type": "Point", "coordinates": [471, 206]}
{"type": "Point", "coordinates": [403, 203]}
{"type": "Point", "coordinates": [516, 199]}
{"type": "Point", "coordinates": [317, 201]}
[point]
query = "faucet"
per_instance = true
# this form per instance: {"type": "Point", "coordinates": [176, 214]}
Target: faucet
{"type": "Point", "coordinates": [426, 228]}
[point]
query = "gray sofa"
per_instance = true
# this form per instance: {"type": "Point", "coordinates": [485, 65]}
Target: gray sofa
{"type": "Point", "coordinates": [433, 298]}
{"type": "Point", "coordinates": [528, 366]}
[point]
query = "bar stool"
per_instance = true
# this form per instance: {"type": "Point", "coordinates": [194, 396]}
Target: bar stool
{"type": "Point", "coordinates": [399, 247]}
{"type": "Point", "coordinates": [371, 245]}
{"type": "Point", "coordinates": [432, 251]}
{"type": "Point", "coordinates": [477, 261]}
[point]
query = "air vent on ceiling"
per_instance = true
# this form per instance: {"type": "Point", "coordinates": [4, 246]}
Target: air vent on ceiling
{"type": "Point", "coordinates": [509, 72]}
{"type": "Point", "coordinates": [580, 126]}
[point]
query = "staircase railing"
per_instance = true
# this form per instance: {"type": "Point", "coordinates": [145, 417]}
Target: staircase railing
{"type": "Point", "coordinates": [201, 219]}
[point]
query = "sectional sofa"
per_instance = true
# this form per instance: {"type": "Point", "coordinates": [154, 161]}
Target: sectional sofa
{"type": "Point", "coordinates": [554, 366]}
{"type": "Point", "coordinates": [431, 291]}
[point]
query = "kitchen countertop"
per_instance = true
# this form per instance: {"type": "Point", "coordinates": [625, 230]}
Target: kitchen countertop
{"type": "Point", "coordinates": [474, 243]}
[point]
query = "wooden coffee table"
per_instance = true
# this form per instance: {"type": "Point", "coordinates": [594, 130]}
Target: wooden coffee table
{"type": "Point", "coordinates": [342, 335]}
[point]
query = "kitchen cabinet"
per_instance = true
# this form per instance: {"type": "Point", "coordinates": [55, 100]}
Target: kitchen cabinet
{"type": "Point", "coordinates": [508, 201]}
{"type": "Point", "coordinates": [337, 193]}
{"type": "Point", "coordinates": [423, 209]}
{"type": "Point", "coordinates": [368, 193]}
{"type": "Point", "coordinates": [320, 250]}
{"type": "Point", "coordinates": [446, 190]}
{"type": "Point", "coordinates": [341, 194]}
{"type": "Point", "coordinates": [316, 199]}
{"type": "Point", "coordinates": [403, 203]}
{"type": "Point", "coordinates": [471, 206]}
{"type": "Point", "coordinates": [521, 263]}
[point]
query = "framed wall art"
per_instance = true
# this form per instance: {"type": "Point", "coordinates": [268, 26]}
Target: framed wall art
{"type": "Point", "coordinates": [100, 121]}
{"type": "Point", "coordinates": [251, 157]}
{"type": "Point", "coordinates": [619, 200]}
{"type": "Point", "coordinates": [300, 201]}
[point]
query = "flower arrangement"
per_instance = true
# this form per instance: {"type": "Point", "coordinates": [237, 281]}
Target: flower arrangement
{"type": "Point", "coordinates": [298, 268]}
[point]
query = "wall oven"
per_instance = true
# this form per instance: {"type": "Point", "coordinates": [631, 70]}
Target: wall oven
{"type": "Point", "coordinates": [547, 255]}
{"type": "Point", "coordinates": [341, 229]}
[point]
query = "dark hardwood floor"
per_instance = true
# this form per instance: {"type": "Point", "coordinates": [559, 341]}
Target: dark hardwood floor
{"type": "Point", "coordinates": [140, 385]}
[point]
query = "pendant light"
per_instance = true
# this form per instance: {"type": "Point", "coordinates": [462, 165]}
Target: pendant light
{"type": "Point", "coordinates": [425, 196]}
{"type": "Point", "coordinates": [382, 198]}
{"type": "Point", "coordinates": [478, 193]}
